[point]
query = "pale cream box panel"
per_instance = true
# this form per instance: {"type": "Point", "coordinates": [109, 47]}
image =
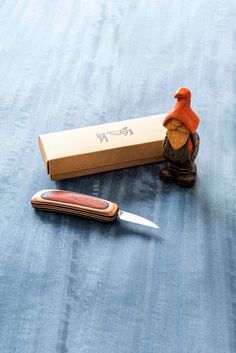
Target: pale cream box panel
{"type": "Point", "coordinates": [104, 147]}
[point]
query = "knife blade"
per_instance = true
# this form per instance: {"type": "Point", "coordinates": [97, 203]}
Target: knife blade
{"type": "Point", "coordinates": [87, 206]}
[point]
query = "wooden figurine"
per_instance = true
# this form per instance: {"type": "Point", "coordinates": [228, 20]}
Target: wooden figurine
{"type": "Point", "coordinates": [181, 144]}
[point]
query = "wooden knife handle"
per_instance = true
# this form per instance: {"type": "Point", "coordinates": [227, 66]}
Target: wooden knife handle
{"type": "Point", "coordinates": [75, 203]}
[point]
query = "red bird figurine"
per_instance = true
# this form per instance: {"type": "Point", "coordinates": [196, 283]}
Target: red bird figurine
{"type": "Point", "coordinates": [181, 143]}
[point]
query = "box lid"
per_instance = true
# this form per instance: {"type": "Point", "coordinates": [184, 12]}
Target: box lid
{"type": "Point", "coordinates": [101, 145]}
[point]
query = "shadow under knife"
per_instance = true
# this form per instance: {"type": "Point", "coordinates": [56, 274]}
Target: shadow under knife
{"type": "Point", "coordinates": [115, 229]}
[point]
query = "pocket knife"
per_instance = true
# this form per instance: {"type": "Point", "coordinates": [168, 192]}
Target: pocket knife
{"type": "Point", "coordinates": [85, 206]}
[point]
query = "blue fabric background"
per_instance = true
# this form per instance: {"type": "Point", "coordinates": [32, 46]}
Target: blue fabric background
{"type": "Point", "coordinates": [72, 285]}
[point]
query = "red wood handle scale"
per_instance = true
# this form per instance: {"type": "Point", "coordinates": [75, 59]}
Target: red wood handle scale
{"type": "Point", "coordinates": [76, 204]}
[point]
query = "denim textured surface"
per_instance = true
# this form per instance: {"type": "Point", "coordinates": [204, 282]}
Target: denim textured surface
{"type": "Point", "coordinates": [73, 285]}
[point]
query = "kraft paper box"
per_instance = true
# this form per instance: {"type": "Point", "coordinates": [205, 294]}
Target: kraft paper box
{"type": "Point", "coordinates": [101, 148]}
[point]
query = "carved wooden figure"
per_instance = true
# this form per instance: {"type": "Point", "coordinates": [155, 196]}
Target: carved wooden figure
{"type": "Point", "coordinates": [181, 143]}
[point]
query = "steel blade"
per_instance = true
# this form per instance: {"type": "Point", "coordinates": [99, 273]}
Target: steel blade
{"type": "Point", "coordinates": [130, 217]}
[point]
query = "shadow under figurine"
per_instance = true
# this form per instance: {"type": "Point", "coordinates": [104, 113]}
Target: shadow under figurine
{"type": "Point", "coordinates": [181, 144]}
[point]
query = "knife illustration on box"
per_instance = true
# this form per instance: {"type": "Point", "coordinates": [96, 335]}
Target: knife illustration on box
{"type": "Point", "coordinates": [85, 206]}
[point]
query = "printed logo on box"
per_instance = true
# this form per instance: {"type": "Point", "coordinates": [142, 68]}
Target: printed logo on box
{"type": "Point", "coordinates": [104, 136]}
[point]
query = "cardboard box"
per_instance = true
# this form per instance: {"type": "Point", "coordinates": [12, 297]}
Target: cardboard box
{"type": "Point", "coordinates": [101, 148]}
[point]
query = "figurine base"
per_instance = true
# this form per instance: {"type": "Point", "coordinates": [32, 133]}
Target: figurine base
{"type": "Point", "coordinates": [182, 177]}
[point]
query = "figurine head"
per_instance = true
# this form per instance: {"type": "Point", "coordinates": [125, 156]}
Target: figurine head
{"type": "Point", "coordinates": [183, 93]}
{"type": "Point", "coordinates": [182, 110]}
